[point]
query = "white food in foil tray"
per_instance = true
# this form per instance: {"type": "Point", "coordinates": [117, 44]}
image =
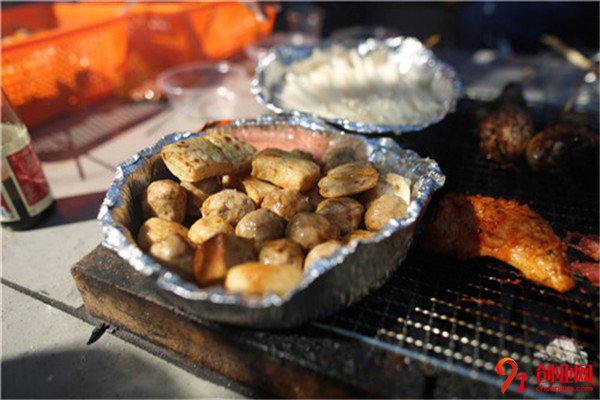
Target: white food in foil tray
{"type": "Point", "coordinates": [371, 86]}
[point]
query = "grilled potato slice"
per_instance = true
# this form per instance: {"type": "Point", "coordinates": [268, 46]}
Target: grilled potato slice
{"type": "Point", "coordinates": [213, 154]}
{"type": "Point", "coordinates": [383, 209]}
{"type": "Point", "coordinates": [206, 227]}
{"type": "Point", "coordinates": [214, 257]}
{"type": "Point", "coordinates": [255, 278]}
{"type": "Point", "coordinates": [349, 179]}
{"type": "Point", "coordinates": [285, 169]}
{"type": "Point", "coordinates": [322, 250]}
{"type": "Point", "coordinates": [155, 230]}
{"type": "Point", "coordinates": [389, 183]}
{"type": "Point", "coordinates": [281, 252]}
{"type": "Point", "coordinates": [257, 189]}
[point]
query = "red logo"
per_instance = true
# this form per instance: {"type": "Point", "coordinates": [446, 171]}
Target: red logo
{"type": "Point", "coordinates": [511, 376]}
{"type": "Point", "coordinates": [547, 375]}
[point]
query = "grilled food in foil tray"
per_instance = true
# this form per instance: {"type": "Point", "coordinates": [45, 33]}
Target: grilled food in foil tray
{"type": "Point", "coordinates": [336, 273]}
{"type": "Point", "coordinates": [368, 86]}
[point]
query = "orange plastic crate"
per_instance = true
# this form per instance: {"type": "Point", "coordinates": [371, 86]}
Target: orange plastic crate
{"type": "Point", "coordinates": [56, 70]}
{"type": "Point", "coordinates": [77, 53]}
{"type": "Point", "coordinates": [167, 34]}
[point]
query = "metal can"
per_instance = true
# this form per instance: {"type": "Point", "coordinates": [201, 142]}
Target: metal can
{"type": "Point", "coordinates": [26, 195]}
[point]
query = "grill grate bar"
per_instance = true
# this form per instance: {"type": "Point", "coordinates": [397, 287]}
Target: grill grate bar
{"type": "Point", "coordinates": [465, 316]}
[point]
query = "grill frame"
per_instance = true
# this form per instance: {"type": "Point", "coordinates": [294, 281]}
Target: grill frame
{"type": "Point", "coordinates": [464, 316]}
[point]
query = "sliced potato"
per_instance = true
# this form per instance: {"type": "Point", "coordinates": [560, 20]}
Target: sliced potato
{"type": "Point", "coordinates": [228, 204]}
{"type": "Point", "coordinates": [384, 209]}
{"type": "Point", "coordinates": [285, 169]}
{"type": "Point", "coordinates": [206, 227]}
{"type": "Point", "coordinates": [281, 252]}
{"type": "Point", "coordinates": [349, 179]}
{"type": "Point", "coordinates": [215, 256]}
{"type": "Point", "coordinates": [255, 278]}
{"type": "Point", "coordinates": [237, 152]}
{"type": "Point", "coordinates": [201, 157]}
{"type": "Point", "coordinates": [176, 253]}
{"type": "Point", "coordinates": [155, 230]}
{"type": "Point", "coordinates": [257, 189]}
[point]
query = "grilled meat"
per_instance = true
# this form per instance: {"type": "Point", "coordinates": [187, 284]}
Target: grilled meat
{"type": "Point", "coordinates": [476, 226]}
{"type": "Point", "coordinates": [504, 133]}
{"type": "Point", "coordinates": [563, 148]}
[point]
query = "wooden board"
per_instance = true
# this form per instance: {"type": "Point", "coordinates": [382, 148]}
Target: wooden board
{"type": "Point", "coordinates": [303, 362]}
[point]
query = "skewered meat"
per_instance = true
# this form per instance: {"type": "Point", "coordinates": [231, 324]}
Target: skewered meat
{"type": "Point", "coordinates": [476, 226]}
{"type": "Point", "coordinates": [563, 148]}
{"type": "Point", "coordinates": [506, 131]}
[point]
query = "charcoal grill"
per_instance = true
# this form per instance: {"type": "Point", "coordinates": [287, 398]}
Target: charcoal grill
{"type": "Point", "coordinates": [465, 316]}
{"type": "Point", "coordinates": [437, 327]}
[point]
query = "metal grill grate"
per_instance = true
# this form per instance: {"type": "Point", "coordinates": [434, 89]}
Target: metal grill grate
{"type": "Point", "coordinates": [465, 316]}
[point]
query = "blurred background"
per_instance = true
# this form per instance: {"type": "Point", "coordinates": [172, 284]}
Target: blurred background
{"type": "Point", "coordinates": [58, 57]}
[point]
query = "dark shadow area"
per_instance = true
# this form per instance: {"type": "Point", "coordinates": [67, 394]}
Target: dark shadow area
{"type": "Point", "coordinates": [75, 374]}
{"type": "Point", "coordinates": [73, 209]}
{"type": "Point", "coordinates": [515, 26]}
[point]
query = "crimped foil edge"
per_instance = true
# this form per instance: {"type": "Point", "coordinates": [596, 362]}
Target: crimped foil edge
{"type": "Point", "coordinates": [287, 55]}
{"type": "Point", "coordinates": [430, 180]}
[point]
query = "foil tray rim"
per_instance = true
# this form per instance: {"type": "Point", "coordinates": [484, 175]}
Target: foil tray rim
{"type": "Point", "coordinates": [116, 240]}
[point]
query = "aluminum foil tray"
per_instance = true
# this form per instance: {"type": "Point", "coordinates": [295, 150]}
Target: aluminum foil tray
{"type": "Point", "coordinates": [330, 284]}
{"type": "Point", "coordinates": [368, 86]}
